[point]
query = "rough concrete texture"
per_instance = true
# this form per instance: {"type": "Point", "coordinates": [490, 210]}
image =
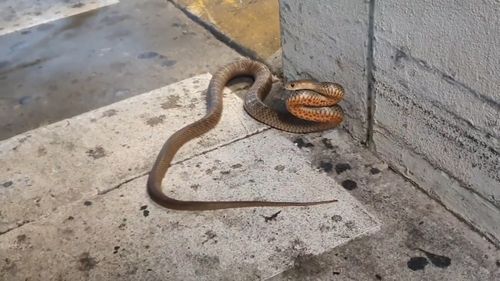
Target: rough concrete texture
{"type": "Point", "coordinates": [69, 66]}
{"type": "Point", "coordinates": [326, 40]}
{"type": "Point", "coordinates": [418, 240]}
{"type": "Point", "coordinates": [20, 14]}
{"type": "Point", "coordinates": [252, 26]}
{"type": "Point", "coordinates": [76, 189]}
{"type": "Point", "coordinates": [438, 105]}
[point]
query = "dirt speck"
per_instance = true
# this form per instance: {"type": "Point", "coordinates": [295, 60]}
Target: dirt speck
{"type": "Point", "coordinates": [86, 262]}
{"type": "Point", "coordinates": [41, 151]}
{"type": "Point", "coordinates": [109, 113]}
{"type": "Point", "coordinates": [153, 121]}
{"type": "Point", "coordinates": [279, 168]}
{"type": "Point", "coordinates": [172, 102]}
{"type": "Point", "coordinates": [96, 152]}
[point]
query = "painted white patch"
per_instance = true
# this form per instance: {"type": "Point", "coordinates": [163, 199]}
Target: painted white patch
{"type": "Point", "coordinates": [21, 14]}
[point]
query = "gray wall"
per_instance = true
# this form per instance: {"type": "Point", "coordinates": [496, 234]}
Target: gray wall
{"type": "Point", "coordinates": [423, 85]}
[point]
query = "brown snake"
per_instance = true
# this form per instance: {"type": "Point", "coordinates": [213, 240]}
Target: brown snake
{"type": "Point", "coordinates": [316, 110]}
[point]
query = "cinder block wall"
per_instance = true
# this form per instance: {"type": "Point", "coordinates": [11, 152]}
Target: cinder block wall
{"type": "Point", "coordinates": [423, 88]}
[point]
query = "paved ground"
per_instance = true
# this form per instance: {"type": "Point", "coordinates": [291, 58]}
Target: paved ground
{"type": "Point", "coordinates": [99, 224]}
{"type": "Point", "coordinates": [69, 66]}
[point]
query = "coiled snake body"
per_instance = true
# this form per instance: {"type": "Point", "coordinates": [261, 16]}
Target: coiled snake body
{"type": "Point", "coordinates": [320, 108]}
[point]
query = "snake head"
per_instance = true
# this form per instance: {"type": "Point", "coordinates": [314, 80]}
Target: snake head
{"type": "Point", "coordinates": [300, 85]}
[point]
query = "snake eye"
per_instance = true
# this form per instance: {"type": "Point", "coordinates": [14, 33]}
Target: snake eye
{"type": "Point", "coordinates": [292, 85]}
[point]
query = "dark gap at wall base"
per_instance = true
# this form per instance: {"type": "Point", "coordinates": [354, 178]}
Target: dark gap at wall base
{"type": "Point", "coordinates": [370, 80]}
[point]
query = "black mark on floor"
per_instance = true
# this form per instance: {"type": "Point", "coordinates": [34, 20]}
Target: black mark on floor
{"type": "Point", "coordinates": [342, 167]}
{"type": "Point", "coordinates": [349, 184]}
{"type": "Point", "coordinates": [327, 143]}
{"type": "Point", "coordinates": [300, 143]}
{"type": "Point", "coordinates": [97, 152]}
{"type": "Point", "coordinates": [374, 171]}
{"type": "Point", "coordinates": [326, 166]}
{"type": "Point", "coordinates": [271, 217]}
{"type": "Point", "coordinates": [115, 249]}
{"type": "Point", "coordinates": [417, 263]}
{"type": "Point", "coordinates": [437, 260]}
{"type": "Point", "coordinates": [235, 166]}
{"type": "Point", "coordinates": [210, 236]}
{"type": "Point", "coordinates": [279, 168]}
{"type": "Point", "coordinates": [145, 211]}
{"type": "Point", "coordinates": [7, 183]}
{"type": "Point", "coordinates": [87, 262]}
{"type": "Point", "coordinates": [87, 203]}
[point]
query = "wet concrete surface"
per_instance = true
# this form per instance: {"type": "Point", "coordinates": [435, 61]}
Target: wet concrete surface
{"type": "Point", "coordinates": [66, 67]}
{"type": "Point", "coordinates": [252, 26]}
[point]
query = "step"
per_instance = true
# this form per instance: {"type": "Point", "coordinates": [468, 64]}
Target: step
{"type": "Point", "coordinates": [74, 202]}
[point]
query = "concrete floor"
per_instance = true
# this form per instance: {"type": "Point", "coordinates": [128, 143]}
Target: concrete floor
{"type": "Point", "coordinates": [69, 66]}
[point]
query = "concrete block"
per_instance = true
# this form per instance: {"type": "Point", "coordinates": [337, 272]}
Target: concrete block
{"type": "Point", "coordinates": [107, 227]}
{"type": "Point", "coordinates": [20, 14]}
{"type": "Point", "coordinates": [327, 41]}
{"type": "Point", "coordinates": [457, 163]}
{"type": "Point", "coordinates": [433, 120]}
{"type": "Point", "coordinates": [44, 169]}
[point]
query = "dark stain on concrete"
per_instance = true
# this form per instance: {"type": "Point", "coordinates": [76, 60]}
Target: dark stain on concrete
{"type": "Point", "coordinates": [349, 184]}
{"type": "Point", "coordinates": [143, 207]}
{"type": "Point", "coordinates": [148, 55]}
{"type": "Point", "coordinates": [342, 167]}
{"type": "Point", "coordinates": [114, 19]}
{"type": "Point", "coordinates": [279, 168]}
{"type": "Point", "coordinates": [7, 183]}
{"type": "Point", "coordinates": [21, 238]}
{"type": "Point", "coordinates": [327, 143]}
{"type": "Point", "coordinates": [374, 171]}
{"type": "Point", "coordinates": [172, 102]}
{"type": "Point", "coordinates": [109, 113]}
{"type": "Point", "coordinates": [326, 166]}
{"type": "Point", "coordinates": [211, 235]}
{"type": "Point", "coordinates": [10, 266]}
{"type": "Point", "coordinates": [337, 218]}
{"type": "Point", "coordinates": [236, 166]}
{"type": "Point", "coordinates": [168, 63]}
{"type": "Point", "coordinates": [86, 262]}
{"type": "Point", "coordinates": [378, 277]}
{"type": "Point", "coordinates": [437, 260]}
{"type": "Point", "coordinates": [194, 186]}
{"type": "Point", "coordinates": [153, 121]}
{"type": "Point", "coordinates": [115, 249]}
{"type": "Point", "coordinates": [145, 213]}
{"type": "Point", "coordinates": [300, 143]}
{"type": "Point", "coordinates": [97, 152]}
{"type": "Point", "coordinates": [87, 203]}
{"type": "Point", "coordinates": [271, 217]}
{"type": "Point", "coordinates": [41, 151]}
{"type": "Point", "coordinates": [417, 263]}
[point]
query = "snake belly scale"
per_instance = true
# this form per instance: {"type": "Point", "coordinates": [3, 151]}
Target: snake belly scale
{"type": "Point", "coordinates": [330, 94]}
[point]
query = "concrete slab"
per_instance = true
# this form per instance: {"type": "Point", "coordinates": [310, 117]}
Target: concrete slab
{"type": "Point", "coordinates": [411, 225]}
{"type": "Point", "coordinates": [76, 64]}
{"type": "Point", "coordinates": [103, 148]}
{"type": "Point", "coordinates": [94, 220]}
{"type": "Point", "coordinates": [20, 14]}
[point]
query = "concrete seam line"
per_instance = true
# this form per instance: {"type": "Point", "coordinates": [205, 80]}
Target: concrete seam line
{"type": "Point", "coordinates": [370, 89]}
